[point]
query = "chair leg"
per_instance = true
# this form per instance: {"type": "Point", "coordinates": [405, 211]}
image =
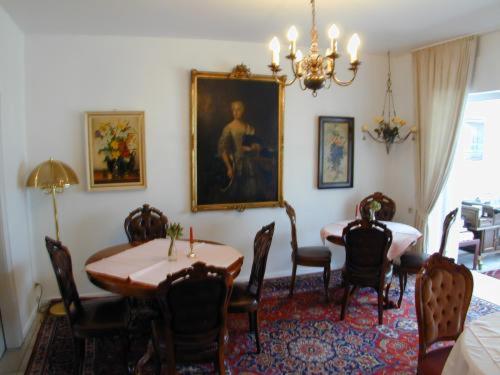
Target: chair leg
{"type": "Point", "coordinates": [386, 296]}
{"type": "Point", "coordinates": [380, 294]}
{"type": "Point", "coordinates": [406, 281]}
{"type": "Point", "coordinates": [220, 367]}
{"type": "Point", "coordinates": [294, 272]}
{"type": "Point", "coordinates": [401, 287]}
{"type": "Point", "coordinates": [256, 330]}
{"type": "Point", "coordinates": [326, 279]}
{"type": "Point", "coordinates": [345, 300]}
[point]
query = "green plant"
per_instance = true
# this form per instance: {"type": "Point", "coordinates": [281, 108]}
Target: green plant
{"type": "Point", "coordinates": [174, 231]}
{"type": "Point", "coordinates": [375, 206]}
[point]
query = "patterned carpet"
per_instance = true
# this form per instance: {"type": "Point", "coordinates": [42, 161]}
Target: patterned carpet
{"type": "Point", "coordinates": [493, 273]}
{"type": "Point", "coordinates": [298, 335]}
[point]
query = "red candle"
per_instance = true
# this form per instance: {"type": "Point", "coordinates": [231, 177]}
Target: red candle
{"type": "Point", "coordinates": [191, 240]}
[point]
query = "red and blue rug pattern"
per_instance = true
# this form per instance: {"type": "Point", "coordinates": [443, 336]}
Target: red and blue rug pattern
{"type": "Point", "coordinates": [299, 335]}
{"type": "Point", "coordinates": [493, 273]}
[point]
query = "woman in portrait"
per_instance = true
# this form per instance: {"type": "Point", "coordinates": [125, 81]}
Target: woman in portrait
{"type": "Point", "coordinates": [239, 148]}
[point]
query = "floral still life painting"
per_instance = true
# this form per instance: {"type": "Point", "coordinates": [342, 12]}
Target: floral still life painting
{"type": "Point", "coordinates": [115, 150]}
{"type": "Point", "coordinates": [336, 146]}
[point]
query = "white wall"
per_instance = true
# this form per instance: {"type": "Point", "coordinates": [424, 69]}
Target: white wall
{"type": "Point", "coordinates": [68, 75]}
{"type": "Point", "coordinates": [16, 291]}
{"type": "Point", "coordinates": [486, 75]}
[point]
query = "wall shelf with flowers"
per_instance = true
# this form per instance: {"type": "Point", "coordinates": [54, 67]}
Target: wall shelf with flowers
{"type": "Point", "coordinates": [389, 126]}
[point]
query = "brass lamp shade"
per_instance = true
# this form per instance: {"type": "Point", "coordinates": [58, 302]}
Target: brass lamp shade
{"type": "Point", "coordinates": [52, 174]}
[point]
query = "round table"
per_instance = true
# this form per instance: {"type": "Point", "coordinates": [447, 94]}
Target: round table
{"type": "Point", "coordinates": [477, 350]}
{"type": "Point", "coordinates": [403, 236]}
{"type": "Point", "coordinates": [122, 285]}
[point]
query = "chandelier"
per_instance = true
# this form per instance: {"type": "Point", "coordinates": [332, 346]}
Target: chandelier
{"type": "Point", "coordinates": [389, 125]}
{"type": "Point", "coordinates": [315, 71]}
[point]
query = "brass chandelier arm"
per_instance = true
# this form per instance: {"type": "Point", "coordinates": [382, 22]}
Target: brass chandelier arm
{"type": "Point", "coordinates": [346, 83]}
{"type": "Point", "coordinates": [402, 139]}
{"type": "Point", "coordinates": [375, 138]}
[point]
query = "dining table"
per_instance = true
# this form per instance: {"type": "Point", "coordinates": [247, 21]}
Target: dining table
{"type": "Point", "coordinates": [477, 350]}
{"type": "Point", "coordinates": [136, 270]}
{"type": "Point", "coordinates": [403, 236]}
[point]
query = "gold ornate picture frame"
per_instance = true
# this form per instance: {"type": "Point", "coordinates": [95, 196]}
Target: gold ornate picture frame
{"type": "Point", "coordinates": [115, 150]}
{"type": "Point", "coordinates": [236, 140]}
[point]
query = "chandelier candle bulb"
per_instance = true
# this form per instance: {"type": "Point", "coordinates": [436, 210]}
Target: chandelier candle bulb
{"type": "Point", "coordinates": [333, 34]}
{"type": "Point", "coordinates": [352, 47]}
{"type": "Point", "coordinates": [292, 38]}
{"type": "Point", "coordinates": [274, 46]}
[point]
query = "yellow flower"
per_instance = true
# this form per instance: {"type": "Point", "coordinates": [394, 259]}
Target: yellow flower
{"type": "Point", "coordinates": [121, 125]}
{"type": "Point", "coordinates": [103, 126]}
{"type": "Point", "coordinates": [115, 154]}
{"type": "Point", "coordinates": [402, 122]}
{"type": "Point", "coordinates": [378, 119]}
{"type": "Point", "coordinates": [114, 145]}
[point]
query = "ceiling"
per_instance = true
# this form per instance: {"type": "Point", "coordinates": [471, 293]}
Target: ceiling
{"type": "Point", "coordinates": [382, 24]}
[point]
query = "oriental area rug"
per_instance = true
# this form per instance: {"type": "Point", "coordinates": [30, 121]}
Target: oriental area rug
{"type": "Point", "coordinates": [299, 335]}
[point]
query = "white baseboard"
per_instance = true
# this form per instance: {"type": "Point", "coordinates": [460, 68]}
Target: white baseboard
{"type": "Point", "coordinates": [29, 323]}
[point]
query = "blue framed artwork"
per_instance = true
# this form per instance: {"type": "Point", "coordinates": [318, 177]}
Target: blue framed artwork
{"type": "Point", "coordinates": [335, 152]}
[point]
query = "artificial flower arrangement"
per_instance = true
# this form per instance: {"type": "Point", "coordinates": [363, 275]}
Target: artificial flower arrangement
{"type": "Point", "coordinates": [119, 146]}
{"type": "Point", "coordinates": [387, 131]}
{"type": "Point", "coordinates": [374, 207]}
{"type": "Point", "coordinates": [174, 231]}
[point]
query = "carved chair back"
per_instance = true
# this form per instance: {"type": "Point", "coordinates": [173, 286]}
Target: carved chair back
{"type": "Point", "coordinates": [293, 219]}
{"type": "Point", "coordinates": [61, 262]}
{"type": "Point", "coordinates": [443, 292]}
{"type": "Point", "coordinates": [448, 221]}
{"type": "Point", "coordinates": [194, 303]}
{"type": "Point", "coordinates": [261, 246]}
{"type": "Point", "coordinates": [145, 223]}
{"type": "Point", "coordinates": [366, 244]}
{"type": "Point", "coordinates": [386, 212]}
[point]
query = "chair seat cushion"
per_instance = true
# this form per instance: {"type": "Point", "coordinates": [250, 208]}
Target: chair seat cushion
{"type": "Point", "coordinates": [314, 253]}
{"type": "Point", "coordinates": [433, 362]}
{"type": "Point", "coordinates": [102, 316]}
{"type": "Point", "coordinates": [412, 262]}
{"type": "Point", "coordinates": [185, 351]}
{"type": "Point", "coordinates": [241, 300]}
{"type": "Point", "coordinates": [366, 278]}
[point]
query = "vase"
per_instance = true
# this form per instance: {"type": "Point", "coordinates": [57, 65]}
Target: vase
{"type": "Point", "coordinates": [172, 250]}
{"type": "Point", "coordinates": [372, 215]}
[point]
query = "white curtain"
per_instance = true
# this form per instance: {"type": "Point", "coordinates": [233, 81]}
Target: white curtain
{"type": "Point", "coordinates": [441, 76]}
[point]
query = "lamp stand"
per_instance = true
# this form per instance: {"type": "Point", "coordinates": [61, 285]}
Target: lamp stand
{"type": "Point", "coordinates": [57, 309]}
{"type": "Point", "coordinates": [54, 204]}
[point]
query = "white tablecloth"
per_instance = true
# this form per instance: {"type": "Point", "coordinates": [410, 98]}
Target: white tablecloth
{"type": "Point", "coordinates": [402, 235]}
{"type": "Point", "coordinates": [148, 263]}
{"type": "Point", "coordinates": [477, 350]}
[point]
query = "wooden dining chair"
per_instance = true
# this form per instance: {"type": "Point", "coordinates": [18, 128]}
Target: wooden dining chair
{"type": "Point", "coordinates": [245, 297]}
{"type": "Point", "coordinates": [366, 265]}
{"type": "Point", "coordinates": [310, 256]}
{"type": "Point", "coordinates": [443, 291]}
{"type": "Point", "coordinates": [387, 210]}
{"type": "Point", "coordinates": [193, 303]}
{"type": "Point", "coordinates": [92, 318]}
{"type": "Point", "coordinates": [145, 223]}
{"type": "Point", "coordinates": [410, 263]}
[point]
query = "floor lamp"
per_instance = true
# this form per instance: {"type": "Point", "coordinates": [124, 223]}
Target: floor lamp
{"type": "Point", "coordinates": [53, 176]}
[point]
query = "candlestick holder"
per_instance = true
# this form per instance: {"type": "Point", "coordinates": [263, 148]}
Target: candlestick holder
{"type": "Point", "coordinates": [191, 253]}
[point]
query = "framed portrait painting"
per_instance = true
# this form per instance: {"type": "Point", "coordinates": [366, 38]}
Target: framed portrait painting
{"type": "Point", "coordinates": [115, 150]}
{"type": "Point", "coordinates": [335, 152]}
{"type": "Point", "coordinates": [237, 140]}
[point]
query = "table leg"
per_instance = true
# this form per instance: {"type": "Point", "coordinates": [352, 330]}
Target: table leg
{"type": "Point", "coordinates": [481, 248]}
